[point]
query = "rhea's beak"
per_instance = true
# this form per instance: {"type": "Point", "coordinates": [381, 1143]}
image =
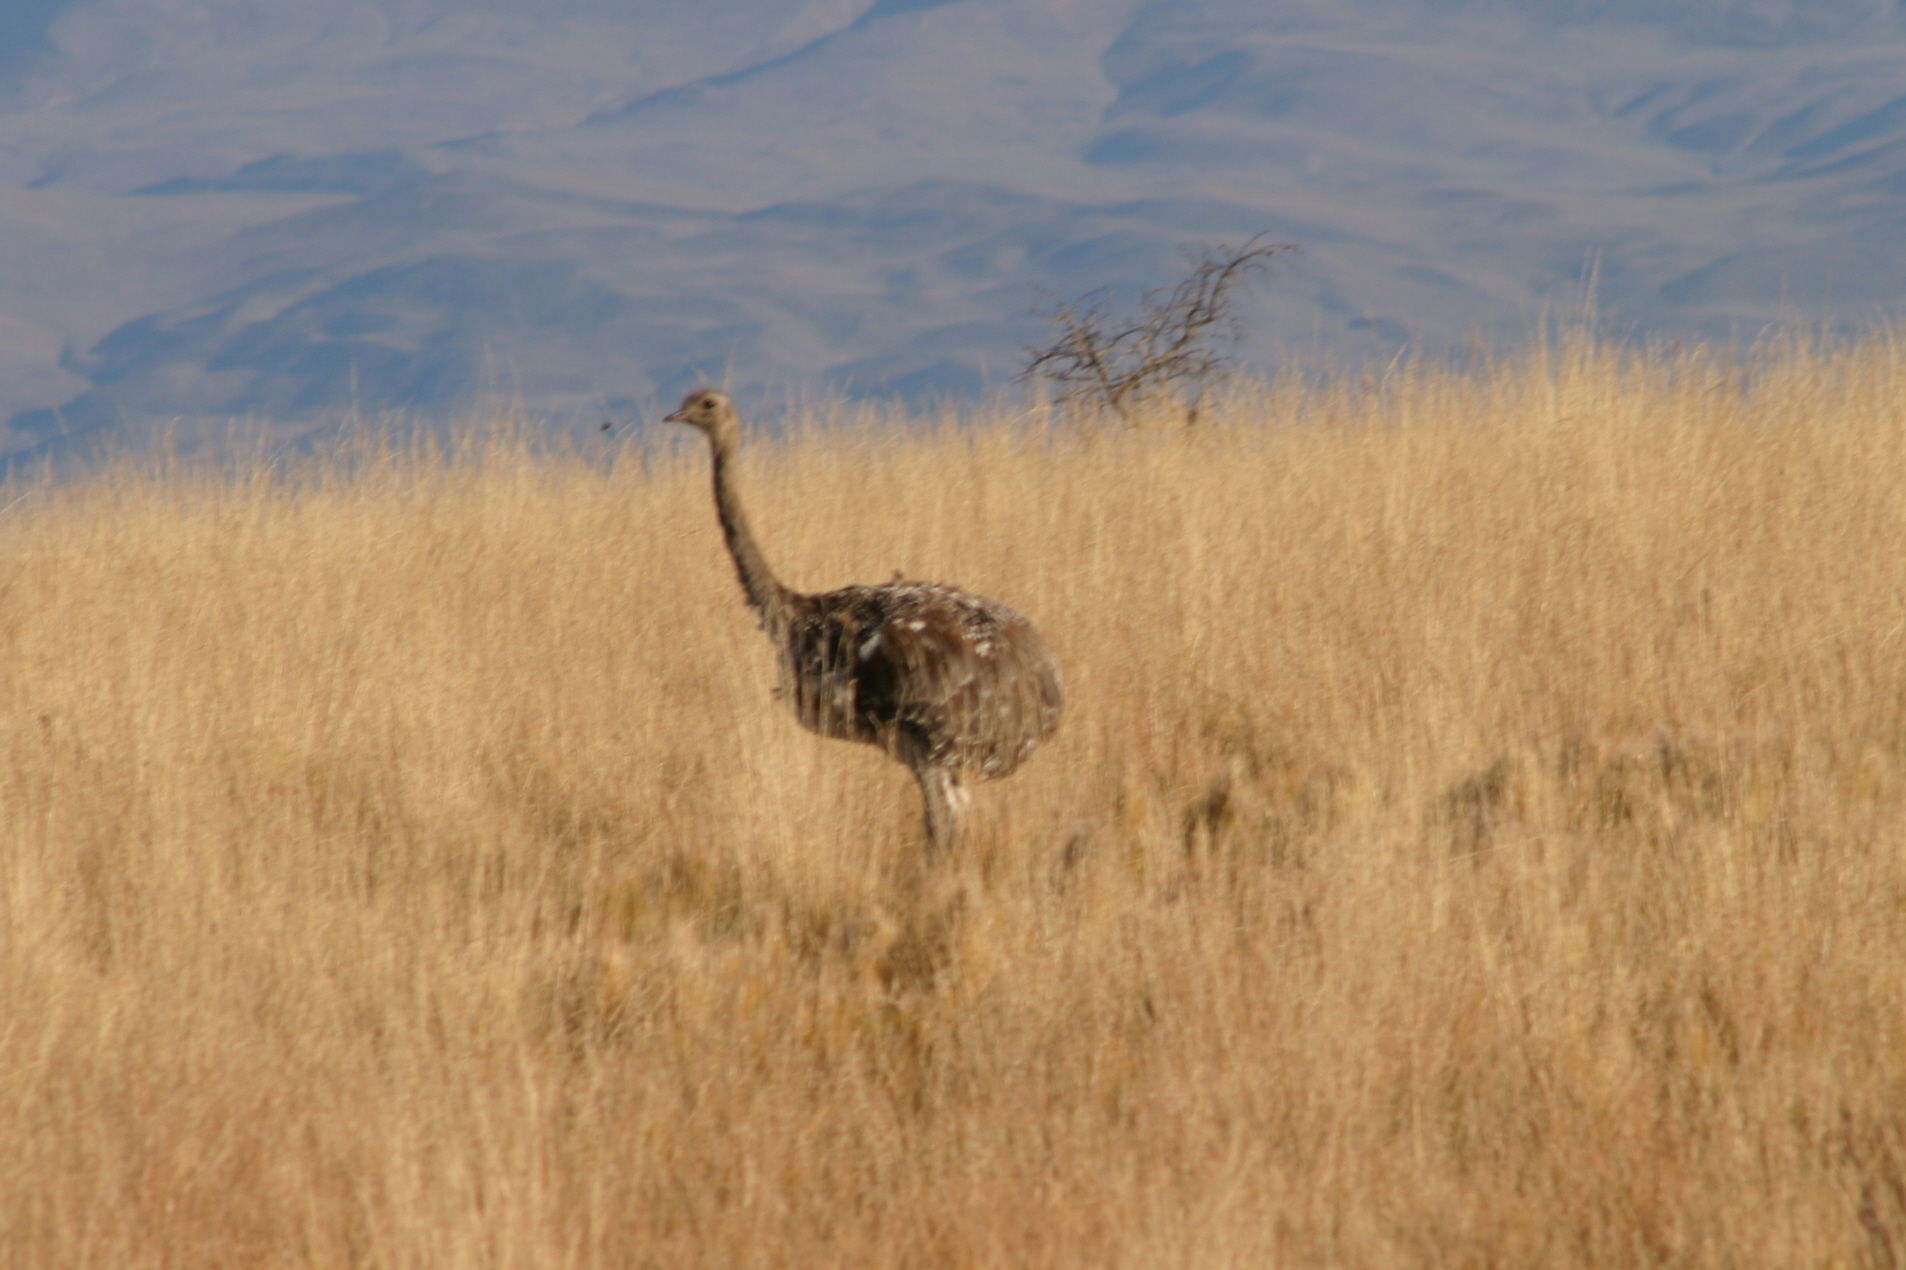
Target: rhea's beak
{"type": "Point", "coordinates": [674, 418]}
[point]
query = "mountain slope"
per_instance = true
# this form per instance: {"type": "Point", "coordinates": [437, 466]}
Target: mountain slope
{"type": "Point", "coordinates": [219, 207]}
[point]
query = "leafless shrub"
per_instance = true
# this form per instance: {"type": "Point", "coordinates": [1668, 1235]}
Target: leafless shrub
{"type": "Point", "coordinates": [1172, 348]}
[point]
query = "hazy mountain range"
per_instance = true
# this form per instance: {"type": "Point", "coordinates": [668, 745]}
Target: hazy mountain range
{"type": "Point", "coordinates": [298, 208]}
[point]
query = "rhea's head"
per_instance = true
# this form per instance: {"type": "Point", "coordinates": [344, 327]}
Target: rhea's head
{"type": "Point", "coordinates": [710, 410]}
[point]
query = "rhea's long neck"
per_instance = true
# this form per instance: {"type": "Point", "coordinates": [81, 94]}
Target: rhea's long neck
{"type": "Point", "coordinates": [766, 595]}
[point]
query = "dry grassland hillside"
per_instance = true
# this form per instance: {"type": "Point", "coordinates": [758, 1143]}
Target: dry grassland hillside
{"type": "Point", "coordinates": [1477, 837]}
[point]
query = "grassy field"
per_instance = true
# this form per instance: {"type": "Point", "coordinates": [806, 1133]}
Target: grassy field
{"type": "Point", "coordinates": [1477, 838]}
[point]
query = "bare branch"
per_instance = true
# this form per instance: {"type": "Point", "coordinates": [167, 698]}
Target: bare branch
{"type": "Point", "coordinates": [1165, 350]}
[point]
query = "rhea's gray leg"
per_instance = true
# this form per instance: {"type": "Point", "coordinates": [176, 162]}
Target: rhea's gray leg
{"type": "Point", "coordinates": [946, 800]}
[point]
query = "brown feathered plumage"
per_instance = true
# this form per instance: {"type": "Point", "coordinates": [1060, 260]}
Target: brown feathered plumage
{"type": "Point", "coordinates": [954, 685]}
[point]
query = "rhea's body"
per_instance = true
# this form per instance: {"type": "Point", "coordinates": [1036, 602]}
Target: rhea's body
{"type": "Point", "coordinates": [954, 685]}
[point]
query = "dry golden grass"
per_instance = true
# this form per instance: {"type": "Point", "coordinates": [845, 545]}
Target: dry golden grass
{"type": "Point", "coordinates": [1478, 837]}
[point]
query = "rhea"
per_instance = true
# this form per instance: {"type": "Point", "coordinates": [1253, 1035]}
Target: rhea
{"type": "Point", "coordinates": [954, 685]}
